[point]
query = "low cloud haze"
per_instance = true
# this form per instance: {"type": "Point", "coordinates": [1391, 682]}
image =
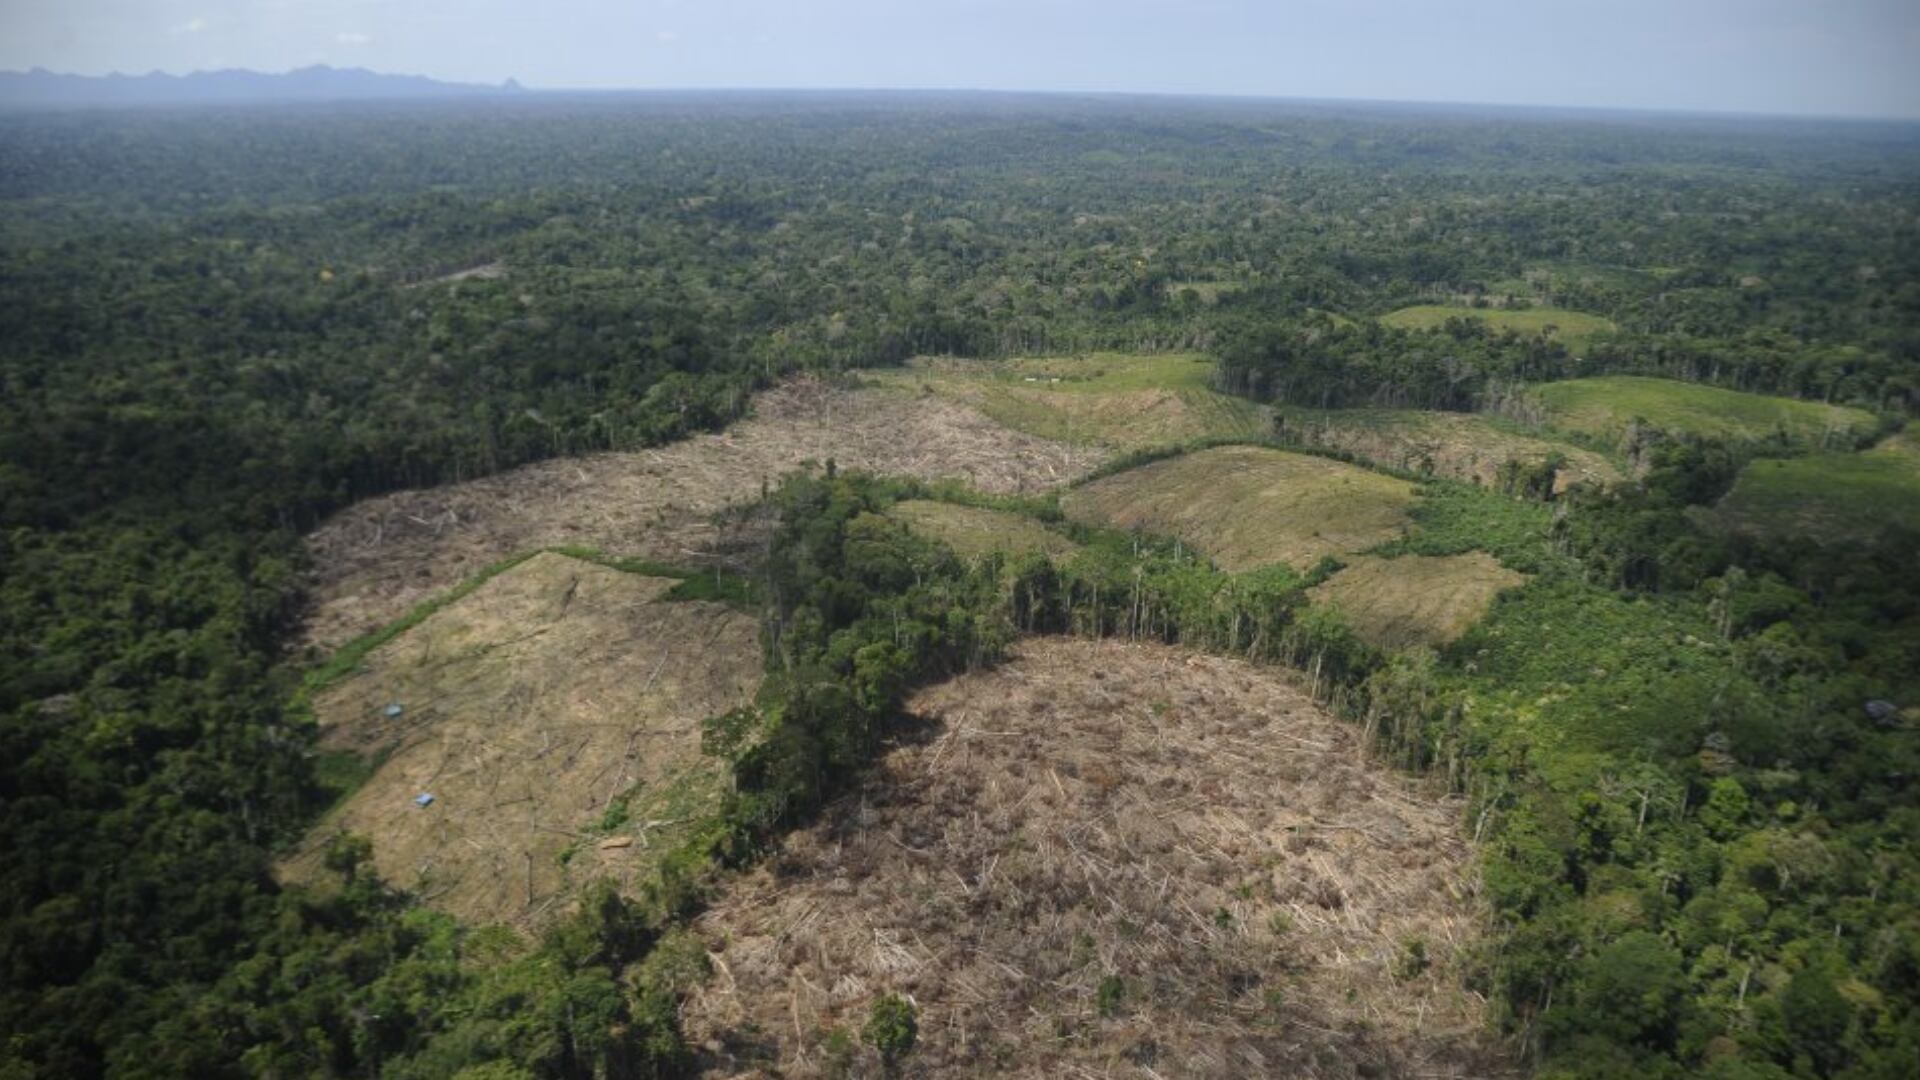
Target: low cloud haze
{"type": "Point", "coordinates": [1846, 57]}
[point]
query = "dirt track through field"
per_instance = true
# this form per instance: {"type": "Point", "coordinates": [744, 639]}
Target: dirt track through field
{"type": "Point", "coordinates": [1190, 831]}
{"type": "Point", "coordinates": [377, 559]}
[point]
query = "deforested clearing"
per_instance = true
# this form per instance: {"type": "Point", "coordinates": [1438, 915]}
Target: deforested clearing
{"type": "Point", "coordinates": [1248, 506]}
{"type": "Point", "coordinates": [1828, 498]}
{"type": "Point", "coordinates": [1108, 859]}
{"type": "Point", "coordinates": [973, 532]}
{"type": "Point", "coordinates": [1416, 599]}
{"type": "Point", "coordinates": [525, 710]}
{"type": "Point", "coordinates": [1572, 327]}
{"type": "Point", "coordinates": [1123, 401]}
{"type": "Point", "coordinates": [1605, 406]}
{"type": "Point", "coordinates": [1458, 446]}
{"type": "Point", "coordinates": [382, 556]}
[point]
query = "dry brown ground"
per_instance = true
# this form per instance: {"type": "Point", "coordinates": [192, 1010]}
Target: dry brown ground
{"type": "Point", "coordinates": [379, 558]}
{"type": "Point", "coordinates": [1191, 825]}
{"type": "Point", "coordinates": [1416, 599]}
{"type": "Point", "coordinates": [530, 705]}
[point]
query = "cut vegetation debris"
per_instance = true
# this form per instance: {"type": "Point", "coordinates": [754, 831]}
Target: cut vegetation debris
{"type": "Point", "coordinates": [1604, 407]}
{"type": "Point", "coordinates": [1457, 446]}
{"type": "Point", "coordinates": [1115, 400]}
{"type": "Point", "coordinates": [1570, 327]}
{"type": "Point", "coordinates": [538, 703]}
{"type": "Point", "coordinates": [1248, 506]}
{"type": "Point", "coordinates": [1101, 859]}
{"type": "Point", "coordinates": [973, 532]}
{"type": "Point", "coordinates": [1415, 599]}
{"type": "Point", "coordinates": [1829, 498]}
{"type": "Point", "coordinates": [377, 559]}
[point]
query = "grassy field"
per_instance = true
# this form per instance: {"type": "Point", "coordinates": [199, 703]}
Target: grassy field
{"type": "Point", "coordinates": [1458, 446]}
{"type": "Point", "coordinates": [1572, 327]}
{"type": "Point", "coordinates": [1248, 506]}
{"type": "Point", "coordinates": [1416, 599]}
{"type": "Point", "coordinates": [1112, 400]}
{"type": "Point", "coordinates": [1604, 406]}
{"type": "Point", "coordinates": [1829, 497]}
{"type": "Point", "coordinates": [535, 709]}
{"type": "Point", "coordinates": [973, 532]}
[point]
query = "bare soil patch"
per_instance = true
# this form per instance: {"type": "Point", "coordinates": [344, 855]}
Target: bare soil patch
{"type": "Point", "coordinates": [1190, 832]}
{"type": "Point", "coordinates": [529, 706]}
{"type": "Point", "coordinates": [1248, 506]}
{"type": "Point", "coordinates": [377, 559]}
{"type": "Point", "coordinates": [1416, 599]}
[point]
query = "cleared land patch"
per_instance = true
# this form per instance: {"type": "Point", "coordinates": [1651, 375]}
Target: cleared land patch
{"type": "Point", "coordinates": [1458, 446]}
{"type": "Point", "coordinates": [1605, 406]}
{"type": "Point", "coordinates": [1572, 327]}
{"type": "Point", "coordinates": [378, 558]}
{"type": "Point", "coordinates": [1119, 401]}
{"type": "Point", "coordinates": [1248, 506]}
{"type": "Point", "coordinates": [973, 532]}
{"type": "Point", "coordinates": [1107, 859]}
{"type": "Point", "coordinates": [528, 707]}
{"type": "Point", "coordinates": [1830, 498]}
{"type": "Point", "coordinates": [1416, 599]}
{"type": "Point", "coordinates": [1206, 291]}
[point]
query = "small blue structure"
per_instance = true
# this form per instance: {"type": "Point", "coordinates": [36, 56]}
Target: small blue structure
{"type": "Point", "coordinates": [394, 710]}
{"type": "Point", "coordinates": [424, 799]}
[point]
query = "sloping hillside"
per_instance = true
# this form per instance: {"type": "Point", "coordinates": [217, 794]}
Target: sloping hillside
{"type": "Point", "coordinates": [1248, 506]}
{"type": "Point", "coordinates": [533, 712]}
{"type": "Point", "coordinates": [378, 558]}
{"type": "Point", "coordinates": [1101, 859]}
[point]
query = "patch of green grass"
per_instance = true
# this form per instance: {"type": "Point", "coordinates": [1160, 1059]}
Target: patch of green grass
{"type": "Point", "coordinates": [1831, 498]}
{"type": "Point", "coordinates": [1572, 327]}
{"type": "Point", "coordinates": [1415, 599]}
{"type": "Point", "coordinates": [1121, 400]}
{"type": "Point", "coordinates": [974, 532]}
{"type": "Point", "coordinates": [1603, 407]}
{"type": "Point", "coordinates": [1101, 373]}
{"type": "Point", "coordinates": [1250, 506]}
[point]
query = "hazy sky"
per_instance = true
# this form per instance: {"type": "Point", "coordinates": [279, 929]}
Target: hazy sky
{"type": "Point", "coordinates": [1797, 56]}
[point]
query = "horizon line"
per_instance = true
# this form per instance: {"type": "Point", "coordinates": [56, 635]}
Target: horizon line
{"type": "Point", "coordinates": [512, 84]}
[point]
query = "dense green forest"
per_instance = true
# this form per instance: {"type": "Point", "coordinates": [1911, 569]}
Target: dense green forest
{"type": "Point", "coordinates": [221, 325]}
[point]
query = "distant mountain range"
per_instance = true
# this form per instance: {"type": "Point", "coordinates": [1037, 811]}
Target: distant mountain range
{"type": "Point", "coordinates": [41, 88]}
